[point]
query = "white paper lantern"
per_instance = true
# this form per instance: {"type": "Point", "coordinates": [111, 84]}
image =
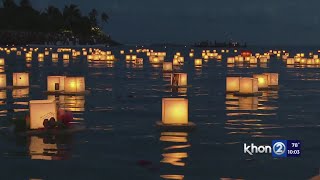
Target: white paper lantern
{"type": "Point", "coordinates": [41, 110]}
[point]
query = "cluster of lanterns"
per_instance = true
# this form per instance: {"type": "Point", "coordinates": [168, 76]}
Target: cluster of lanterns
{"type": "Point", "coordinates": [66, 84]}
{"type": "Point", "coordinates": [250, 86]}
{"type": "Point", "coordinates": [19, 80]}
{"type": "Point", "coordinates": [300, 59]}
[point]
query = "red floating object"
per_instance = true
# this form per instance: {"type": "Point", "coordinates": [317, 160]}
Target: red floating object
{"type": "Point", "coordinates": [246, 53]}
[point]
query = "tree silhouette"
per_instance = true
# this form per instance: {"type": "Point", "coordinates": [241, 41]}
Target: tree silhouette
{"type": "Point", "coordinates": [25, 4]}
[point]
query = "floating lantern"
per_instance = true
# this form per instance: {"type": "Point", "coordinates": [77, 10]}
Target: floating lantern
{"type": "Point", "coordinates": [40, 56]}
{"type": "Point", "coordinates": [3, 81]}
{"type": "Point", "coordinates": [253, 60]}
{"type": "Point", "coordinates": [198, 62]}
{"type": "Point", "coordinates": [18, 53]}
{"type": "Point", "coordinates": [167, 66]}
{"type": "Point", "coordinates": [246, 54]}
{"type": "Point", "coordinates": [66, 57]}
{"type": "Point", "coordinates": [122, 52]}
{"type": "Point", "coordinates": [230, 60]}
{"type": "Point", "coordinates": [29, 55]}
{"type": "Point", "coordinates": [139, 61]}
{"type": "Point", "coordinates": [232, 84]}
{"type": "Point", "coordinates": [96, 57]}
{"type": "Point", "coordinates": [273, 79]}
{"type": "Point", "coordinates": [179, 79]}
{"type": "Point", "coordinates": [262, 80]}
{"type": "Point", "coordinates": [248, 86]}
{"type": "Point", "coordinates": [55, 83]}
{"type": "Point", "coordinates": [41, 110]}
{"type": "Point", "coordinates": [174, 111]}
{"type": "Point", "coordinates": [55, 55]}
{"type": "Point", "coordinates": [2, 62]}
{"type": "Point", "coordinates": [84, 53]}
{"type": "Point", "coordinates": [74, 85]}
{"type": "Point", "coordinates": [46, 53]}
{"type": "Point", "coordinates": [310, 61]}
{"type": "Point", "coordinates": [20, 79]}
{"type": "Point", "coordinates": [263, 59]}
{"type": "Point", "coordinates": [191, 54]}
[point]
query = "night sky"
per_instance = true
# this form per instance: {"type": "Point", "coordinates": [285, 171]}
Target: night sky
{"type": "Point", "coordinates": [272, 22]}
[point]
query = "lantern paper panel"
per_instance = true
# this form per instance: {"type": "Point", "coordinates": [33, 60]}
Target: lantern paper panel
{"type": "Point", "coordinates": [20, 79]}
{"type": "Point", "coordinates": [262, 80]}
{"type": "Point", "coordinates": [179, 79]}
{"type": "Point", "coordinates": [2, 62]}
{"type": "Point", "coordinates": [248, 85]}
{"type": "Point", "coordinates": [167, 66]}
{"type": "Point", "coordinates": [41, 110]}
{"type": "Point", "coordinates": [74, 84]}
{"type": "Point", "coordinates": [273, 79]}
{"type": "Point", "coordinates": [233, 84]}
{"type": "Point", "coordinates": [174, 111]}
{"type": "Point", "coordinates": [55, 83]}
{"type": "Point", "coordinates": [3, 81]}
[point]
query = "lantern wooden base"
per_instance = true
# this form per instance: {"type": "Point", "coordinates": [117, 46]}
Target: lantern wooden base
{"type": "Point", "coordinates": [178, 86]}
{"type": "Point", "coordinates": [71, 130]}
{"type": "Point", "coordinates": [66, 93]}
{"type": "Point", "coordinates": [248, 94]}
{"type": "Point", "coordinates": [176, 127]}
{"type": "Point", "coordinates": [270, 88]}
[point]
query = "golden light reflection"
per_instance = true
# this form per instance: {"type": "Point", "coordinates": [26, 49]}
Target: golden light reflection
{"type": "Point", "coordinates": [20, 93]}
{"type": "Point", "coordinates": [176, 144]}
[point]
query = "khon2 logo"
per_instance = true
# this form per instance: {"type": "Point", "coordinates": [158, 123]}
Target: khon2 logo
{"type": "Point", "coordinates": [279, 148]}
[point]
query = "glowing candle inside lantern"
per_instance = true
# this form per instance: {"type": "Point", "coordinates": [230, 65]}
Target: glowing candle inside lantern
{"type": "Point", "coordinates": [74, 84]}
{"type": "Point", "coordinates": [174, 111]}
{"type": "Point", "coordinates": [198, 62]}
{"type": "Point", "coordinates": [262, 80]}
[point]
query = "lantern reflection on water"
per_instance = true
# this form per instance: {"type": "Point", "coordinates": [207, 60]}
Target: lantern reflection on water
{"type": "Point", "coordinates": [39, 150]}
{"type": "Point", "coordinates": [41, 110]}
{"type": "Point", "coordinates": [232, 84]}
{"type": "Point", "coordinates": [248, 103]}
{"type": "Point", "coordinates": [74, 85]}
{"type": "Point", "coordinates": [72, 103]}
{"type": "Point", "coordinates": [167, 66]}
{"type": "Point", "coordinates": [20, 93]}
{"type": "Point", "coordinates": [179, 79]}
{"type": "Point", "coordinates": [20, 79]}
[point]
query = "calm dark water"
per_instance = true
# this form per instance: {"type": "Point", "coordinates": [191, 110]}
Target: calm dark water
{"type": "Point", "coordinates": [124, 103]}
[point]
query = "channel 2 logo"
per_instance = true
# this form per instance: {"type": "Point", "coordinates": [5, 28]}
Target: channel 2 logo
{"type": "Point", "coordinates": [286, 148]}
{"type": "Point", "coordinates": [279, 148]}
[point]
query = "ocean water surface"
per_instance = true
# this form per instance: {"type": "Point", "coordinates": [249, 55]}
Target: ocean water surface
{"type": "Point", "coordinates": [124, 104]}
